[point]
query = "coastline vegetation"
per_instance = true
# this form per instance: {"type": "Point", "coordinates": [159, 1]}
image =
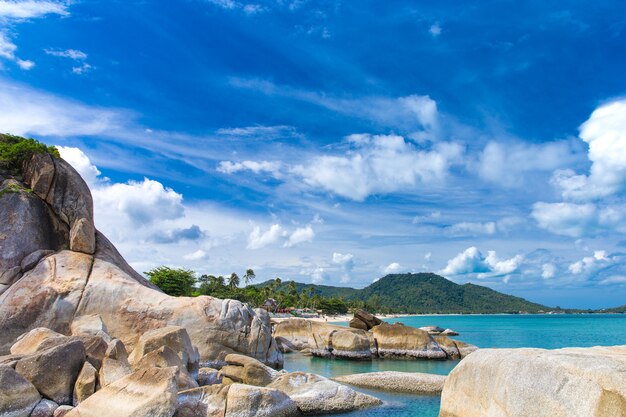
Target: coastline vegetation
{"type": "Point", "coordinates": [14, 150]}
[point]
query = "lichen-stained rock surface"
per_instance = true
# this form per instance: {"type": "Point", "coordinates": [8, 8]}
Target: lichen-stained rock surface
{"type": "Point", "coordinates": [572, 382]}
{"type": "Point", "coordinates": [86, 276]}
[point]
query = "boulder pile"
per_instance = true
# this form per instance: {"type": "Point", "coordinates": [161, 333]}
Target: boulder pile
{"type": "Point", "coordinates": [49, 374]}
{"type": "Point", "coordinates": [381, 340]}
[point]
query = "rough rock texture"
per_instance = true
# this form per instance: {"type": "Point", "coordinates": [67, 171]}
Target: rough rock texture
{"type": "Point", "coordinates": [145, 393]}
{"type": "Point", "coordinates": [298, 334]}
{"type": "Point", "coordinates": [54, 371]}
{"type": "Point", "coordinates": [236, 400]}
{"type": "Point", "coordinates": [432, 330]}
{"type": "Point", "coordinates": [408, 382]}
{"type": "Point", "coordinates": [573, 382]}
{"type": "Point", "coordinates": [209, 401]}
{"type": "Point", "coordinates": [399, 341]}
{"type": "Point", "coordinates": [247, 370]}
{"type": "Point", "coordinates": [113, 370]}
{"type": "Point", "coordinates": [56, 182]}
{"type": "Point", "coordinates": [315, 394]}
{"type": "Point", "coordinates": [350, 344]}
{"type": "Point", "coordinates": [85, 384]}
{"type": "Point", "coordinates": [175, 338]}
{"type": "Point", "coordinates": [248, 401]}
{"type": "Point", "coordinates": [90, 325]}
{"type": "Point", "coordinates": [44, 408]}
{"type": "Point", "coordinates": [62, 411]}
{"type": "Point", "coordinates": [18, 397]}
{"type": "Point", "coordinates": [165, 357]}
{"type": "Point", "coordinates": [93, 278]}
{"type": "Point", "coordinates": [455, 349]}
{"type": "Point", "coordinates": [209, 376]}
{"type": "Point", "coordinates": [370, 320]}
{"type": "Point", "coordinates": [357, 323]}
{"type": "Point", "coordinates": [35, 340]}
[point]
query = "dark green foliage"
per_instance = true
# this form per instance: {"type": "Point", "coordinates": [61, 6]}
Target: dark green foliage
{"type": "Point", "coordinates": [14, 150]}
{"type": "Point", "coordinates": [421, 293]}
{"type": "Point", "coordinates": [176, 282]}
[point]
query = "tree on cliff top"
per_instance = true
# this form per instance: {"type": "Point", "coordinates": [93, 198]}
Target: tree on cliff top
{"type": "Point", "coordinates": [14, 150]}
{"type": "Point", "coordinates": [177, 282]}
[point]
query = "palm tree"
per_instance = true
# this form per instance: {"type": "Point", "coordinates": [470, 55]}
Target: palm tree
{"type": "Point", "coordinates": [249, 276]}
{"type": "Point", "coordinates": [233, 280]}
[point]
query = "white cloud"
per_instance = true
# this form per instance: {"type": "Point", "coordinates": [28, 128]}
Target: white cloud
{"type": "Point", "coordinates": [258, 239]}
{"type": "Point", "coordinates": [507, 164]}
{"type": "Point", "coordinates": [366, 169]}
{"type": "Point", "coordinates": [81, 163]}
{"type": "Point", "coordinates": [7, 48]}
{"type": "Point", "coordinates": [31, 9]}
{"type": "Point", "coordinates": [548, 271]}
{"type": "Point", "coordinates": [73, 54]}
{"type": "Point", "coordinates": [196, 256]}
{"type": "Point", "coordinates": [488, 228]}
{"type": "Point", "coordinates": [413, 114]}
{"type": "Point", "coordinates": [300, 235]}
{"type": "Point", "coordinates": [228, 167]}
{"type": "Point", "coordinates": [576, 220]}
{"type": "Point", "coordinates": [605, 133]}
{"type": "Point", "coordinates": [346, 262]}
{"type": "Point", "coordinates": [589, 263]}
{"type": "Point", "coordinates": [435, 30]}
{"type": "Point", "coordinates": [25, 111]}
{"type": "Point", "coordinates": [471, 261]}
{"type": "Point", "coordinates": [393, 268]}
{"type": "Point", "coordinates": [434, 215]}
{"type": "Point", "coordinates": [318, 275]}
{"type": "Point", "coordinates": [81, 69]}
{"type": "Point", "coordinates": [25, 64]}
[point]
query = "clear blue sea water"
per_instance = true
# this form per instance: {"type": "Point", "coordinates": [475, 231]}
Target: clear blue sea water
{"type": "Point", "coordinates": [498, 331]}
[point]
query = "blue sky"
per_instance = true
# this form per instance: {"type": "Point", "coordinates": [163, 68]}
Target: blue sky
{"type": "Point", "coordinates": [334, 142]}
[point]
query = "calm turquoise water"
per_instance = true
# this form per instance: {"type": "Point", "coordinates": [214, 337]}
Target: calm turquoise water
{"type": "Point", "coordinates": [541, 331]}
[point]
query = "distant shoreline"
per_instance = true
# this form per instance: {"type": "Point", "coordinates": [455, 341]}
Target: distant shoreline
{"type": "Point", "coordinates": [347, 318]}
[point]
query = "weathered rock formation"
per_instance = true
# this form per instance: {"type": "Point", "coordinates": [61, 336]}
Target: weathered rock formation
{"type": "Point", "coordinates": [58, 272]}
{"type": "Point", "coordinates": [383, 340]}
{"type": "Point", "coordinates": [572, 382]}
{"type": "Point", "coordinates": [408, 382]}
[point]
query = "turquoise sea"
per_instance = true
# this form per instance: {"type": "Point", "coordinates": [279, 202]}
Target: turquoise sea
{"type": "Point", "coordinates": [498, 331]}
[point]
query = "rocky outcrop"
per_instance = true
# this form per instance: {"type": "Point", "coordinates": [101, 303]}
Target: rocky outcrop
{"type": "Point", "coordinates": [315, 394]}
{"type": "Point", "coordinates": [247, 370]}
{"type": "Point", "coordinates": [573, 382]}
{"type": "Point", "coordinates": [54, 371]}
{"type": "Point", "coordinates": [407, 382]}
{"type": "Point", "coordinates": [18, 397]}
{"type": "Point", "coordinates": [145, 393]}
{"type": "Point", "coordinates": [85, 383]}
{"type": "Point", "coordinates": [236, 400]}
{"type": "Point", "coordinates": [399, 341]}
{"type": "Point", "coordinates": [366, 318]}
{"type": "Point", "coordinates": [455, 349]}
{"type": "Point", "coordinates": [346, 344]}
{"type": "Point", "coordinates": [58, 272]}
{"type": "Point", "coordinates": [44, 408]}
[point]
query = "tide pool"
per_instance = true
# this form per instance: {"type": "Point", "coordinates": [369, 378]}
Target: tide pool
{"type": "Point", "coordinates": [493, 331]}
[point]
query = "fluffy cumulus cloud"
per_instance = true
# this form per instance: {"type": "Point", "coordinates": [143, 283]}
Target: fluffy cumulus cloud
{"type": "Point", "coordinates": [472, 261]}
{"type": "Point", "coordinates": [605, 134]}
{"type": "Point", "coordinates": [259, 238]}
{"type": "Point", "coordinates": [589, 263]}
{"type": "Point", "coordinates": [300, 235]}
{"type": "Point", "coordinates": [366, 169]}
{"type": "Point", "coordinates": [548, 271]}
{"type": "Point", "coordinates": [393, 268]}
{"type": "Point", "coordinates": [346, 263]}
{"type": "Point", "coordinates": [196, 256]}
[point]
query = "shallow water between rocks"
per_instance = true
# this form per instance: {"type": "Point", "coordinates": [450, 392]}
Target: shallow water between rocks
{"type": "Point", "coordinates": [493, 331]}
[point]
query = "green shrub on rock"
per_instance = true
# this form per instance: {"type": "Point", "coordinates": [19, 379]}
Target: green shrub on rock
{"type": "Point", "coordinates": [14, 150]}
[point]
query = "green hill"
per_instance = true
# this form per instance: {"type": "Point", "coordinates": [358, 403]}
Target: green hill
{"type": "Point", "coordinates": [423, 293]}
